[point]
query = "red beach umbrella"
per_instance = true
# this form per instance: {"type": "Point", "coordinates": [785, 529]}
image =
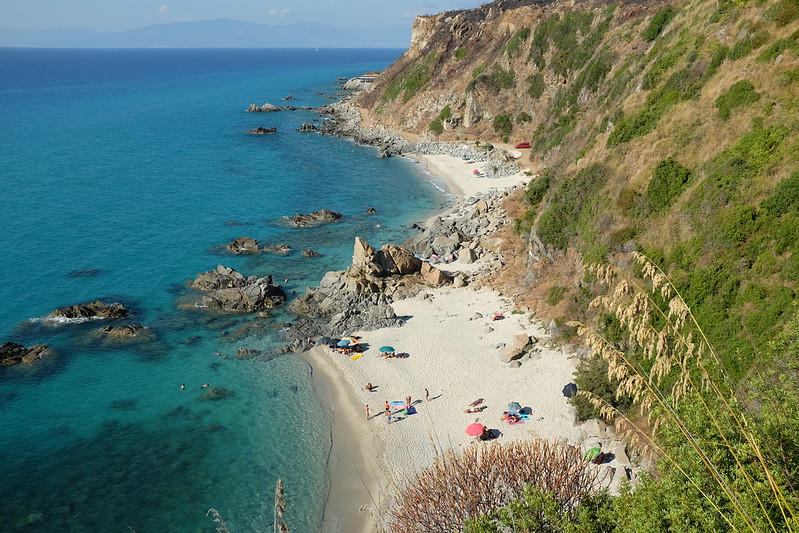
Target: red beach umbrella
{"type": "Point", "coordinates": [474, 429]}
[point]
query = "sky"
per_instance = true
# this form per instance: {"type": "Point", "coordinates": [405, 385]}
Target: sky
{"type": "Point", "coordinates": [122, 15]}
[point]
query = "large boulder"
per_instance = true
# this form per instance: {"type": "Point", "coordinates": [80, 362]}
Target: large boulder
{"type": "Point", "coordinates": [244, 245]}
{"type": "Point", "coordinates": [87, 311]}
{"type": "Point", "coordinates": [229, 291]}
{"type": "Point", "coordinates": [128, 331]}
{"type": "Point", "coordinates": [12, 353]}
{"type": "Point", "coordinates": [323, 216]}
{"type": "Point", "coordinates": [260, 130]}
{"type": "Point", "coordinates": [396, 260]}
{"type": "Point", "coordinates": [433, 276]}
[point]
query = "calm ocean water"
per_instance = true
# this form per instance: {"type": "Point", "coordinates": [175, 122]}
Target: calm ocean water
{"type": "Point", "coordinates": [133, 166]}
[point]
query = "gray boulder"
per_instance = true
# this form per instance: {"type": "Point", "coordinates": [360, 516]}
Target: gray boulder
{"type": "Point", "coordinates": [229, 291]}
{"type": "Point", "coordinates": [127, 332]}
{"type": "Point", "coordinates": [323, 216]}
{"type": "Point", "coordinates": [244, 245]}
{"type": "Point", "coordinates": [279, 249]}
{"type": "Point", "coordinates": [88, 311]}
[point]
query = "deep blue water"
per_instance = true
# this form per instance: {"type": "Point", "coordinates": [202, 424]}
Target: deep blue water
{"type": "Point", "coordinates": [134, 165]}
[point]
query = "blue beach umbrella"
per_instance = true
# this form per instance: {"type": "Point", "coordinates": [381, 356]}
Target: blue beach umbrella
{"type": "Point", "coordinates": [342, 343]}
{"type": "Point", "coordinates": [387, 349]}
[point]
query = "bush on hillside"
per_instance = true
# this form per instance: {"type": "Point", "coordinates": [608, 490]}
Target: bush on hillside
{"type": "Point", "coordinates": [740, 94]}
{"type": "Point", "coordinates": [669, 179]}
{"type": "Point", "coordinates": [460, 53]}
{"type": "Point", "coordinates": [783, 12]}
{"type": "Point", "coordinates": [436, 126]}
{"type": "Point", "coordinates": [503, 125]}
{"type": "Point", "coordinates": [658, 23]}
{"type": "Point", "coordinates": [784, 198]}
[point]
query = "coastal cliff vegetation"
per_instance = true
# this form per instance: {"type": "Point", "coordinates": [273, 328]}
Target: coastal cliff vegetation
{"type": "Point", "coordinates": [664, 142]}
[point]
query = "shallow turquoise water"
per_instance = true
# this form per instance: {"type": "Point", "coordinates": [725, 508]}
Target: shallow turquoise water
{"type": "Point", "coordinates": [135, 163]}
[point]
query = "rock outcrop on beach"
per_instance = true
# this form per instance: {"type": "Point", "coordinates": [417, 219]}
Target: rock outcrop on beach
{"type": "Point", "coordinates": [12, 353]}
{"type": "Point", "coordinates": [229, 291]}
{"type": "Point", "coordinates": [91, 310]}
{"type": "Point", "coordinates": [323, 216]}
{"type": "Point", "coordinates": [244, 246]}
{"type": "Point", "coordinates": [360, 297]}
{"type": "Point", "coordinates": [260, 130]}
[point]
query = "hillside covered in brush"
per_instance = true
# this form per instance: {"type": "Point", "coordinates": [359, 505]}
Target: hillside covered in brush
{"type": "Point", "coordinates": [669, 131]}
{"type": "Point", "coordinates": [666, 127]}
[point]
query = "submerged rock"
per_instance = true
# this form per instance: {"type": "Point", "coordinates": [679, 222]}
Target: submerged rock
{"type": "Point", "coordinates": [217, 393]}
{"type": "Point", "coordinates": [12, 353]}
{"type": "Point", "coordinates": [128, 331]}
{"type": "Point", "coordinates": [88, 310]}
{"type": "Point", "coordinates": [317, 217]}
{"type": "Point", "coordinates": [310, 253]}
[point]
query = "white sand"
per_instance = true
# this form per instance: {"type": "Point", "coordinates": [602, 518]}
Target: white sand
{"type": "Point", "coordinates": [454, 356]}
{"type": "Point", "coordinates": [460, 178]}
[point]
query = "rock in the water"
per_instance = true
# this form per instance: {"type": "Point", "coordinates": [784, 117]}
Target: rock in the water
{"type": "Point", "coordinates": [317, 217]}
{"type": "Point", "coordinates": [308, 127]}
{"type": "Point", "coordinates": [85, 273]}
{"type": "Point", "coordinates": [247, 353]}
{"type": "Point", "coordinates": [370, 211]}
{"type": "Point", "coordinates": [229, 291]}
{"type": "Point", "coordinates": [217, 393]}
{"type": "Point", "coordinates": [12, 353]}
{"type": "Point", "coordinates": [87, 311]}
{"type": "Point", "coordinates": [280, 249]}
{"type": "Point", "coordinates": [266, 108]}
{"type": "Point", "coordinates": [244, 245]}
{"type": "Point", "coordinates": [260, 130]}
{"type": "Point", "coordinates": [309, 253]}
{"type": "Point", "coordinates": [128, 331]}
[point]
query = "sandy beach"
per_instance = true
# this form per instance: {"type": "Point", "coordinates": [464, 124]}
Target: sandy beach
{"type": "Point", "coordinates": [449, 346]}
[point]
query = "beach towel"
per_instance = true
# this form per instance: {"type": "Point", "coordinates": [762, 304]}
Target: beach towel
{"type": "Point", "coordinates": [397, 403]}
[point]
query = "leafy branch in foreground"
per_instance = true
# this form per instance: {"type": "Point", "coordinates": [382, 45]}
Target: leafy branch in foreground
{"type": "Point", "coordinates": [677, 380]}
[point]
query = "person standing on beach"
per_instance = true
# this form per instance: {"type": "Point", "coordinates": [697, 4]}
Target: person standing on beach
{"type": "Point", "coordinates": [367, 411]}
{"type": "Point", "coordinates": [426, 395]}
{"type": "Point", "coordinates": [407, 402]}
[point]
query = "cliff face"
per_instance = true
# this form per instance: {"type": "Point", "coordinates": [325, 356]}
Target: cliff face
{"type": "Point", "coordinates": [668, 127]}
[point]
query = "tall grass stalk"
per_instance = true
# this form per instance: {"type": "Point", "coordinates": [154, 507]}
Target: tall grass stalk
{"type": "Point", "coordinates": [679, 351]}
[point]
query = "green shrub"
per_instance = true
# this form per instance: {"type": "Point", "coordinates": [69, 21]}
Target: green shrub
{"type": "Point", "coordinates": [460, 53]}
{"type": "Point", "coordinates": [436, 126]}
{"type": "Point", "coordinates": [536, 85]}
{"type": "Point", "coordinates": [783, 12]}
{"type": "Point", "coordinates": [537, 188]}
{"type": "Point", "coordinates": [516, 40]}
{"type": "Point", "coordinates": [658, 23]}
{"type": "Point", "coordinates": [445, 113]}
{"type": "Point", "coordinates": [523, 117]}
{"type": "Point", "coordinates": [498, 80]}
{"type": "Point", "coordinates": [789, 77]}
{"type": "Point", "coordinates": [669, 179]}
{"type": "Point", "coordinates": [479, 70]}
{"type": "Point", "coordinates": [740, 94]}
{"type": "Point", "coordinates": [736, 223]}
{"type": "Point", "coordinates": [555, 295]}
{"type": "Point", "coordinates": [784, 198]}
{"type": "Point", "coordinates": [503, 125]}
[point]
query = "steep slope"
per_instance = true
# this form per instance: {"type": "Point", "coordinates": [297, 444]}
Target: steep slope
{"type": "Point", "coordinates": [666, 127]}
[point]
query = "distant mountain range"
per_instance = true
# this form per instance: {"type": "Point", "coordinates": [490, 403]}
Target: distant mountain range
{"type": "Point", "coordinates": [212, 34]}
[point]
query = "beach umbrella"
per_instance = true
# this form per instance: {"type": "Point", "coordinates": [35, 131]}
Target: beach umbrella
{"type": "Point", "coordinates": [352, 340]}
{"type": "Point", "coordinates": [474, 429]}
{"type": "Point", "coordinates": [342, 343]}
{"type": "Point", "coordinates": [387, 349]}
{"type": "Point", "coordinates": [475, 171]}
{"type": "Point", "coordinates": [570, 390]}
{"type": "Point", "coordinates": [514, 406]}
{"type": "Point", "coordinates": [591, 454]}
{"type": "Point", "coordinates": [494, 316]}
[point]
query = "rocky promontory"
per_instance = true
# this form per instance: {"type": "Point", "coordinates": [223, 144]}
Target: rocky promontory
{"type": "Point", "coordinates": [12, 353]}
{"type": "Point", "coordinates": [87, 311]}
{"type": "Point", "coordinates": [323, 216]}
{"type": "Point", "coordinates": [229, 291]}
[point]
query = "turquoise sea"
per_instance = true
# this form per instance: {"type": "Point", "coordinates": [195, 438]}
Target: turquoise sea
{"type": "Point", "coordinates": [122, 172]}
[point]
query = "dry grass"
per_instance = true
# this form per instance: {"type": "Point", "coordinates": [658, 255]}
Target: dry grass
{"type": "Point", "coordinates": [464, 486]}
